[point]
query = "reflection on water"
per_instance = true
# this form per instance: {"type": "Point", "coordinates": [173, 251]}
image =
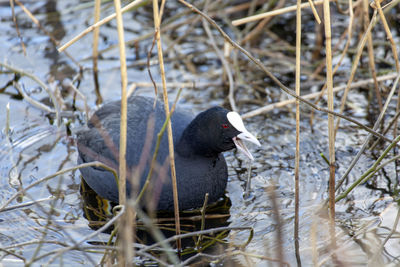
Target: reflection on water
{"type": "Point", "coordinates": [98, 211]}
{"type": "Point", "coordinates": [30, 154]}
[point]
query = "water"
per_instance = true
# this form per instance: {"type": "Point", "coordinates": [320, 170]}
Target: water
{"type": "Point", "coordinates": [35, 147]}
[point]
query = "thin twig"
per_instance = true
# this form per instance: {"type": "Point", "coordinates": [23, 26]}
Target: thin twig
{"type": "Point", "coordinates": [368, 174]}
{"type": "Point", "coordinates": [314, 11]}
{"type": "Point", "coordinates": [390, 124]}
{"type": "Point", "coordinates": [157, 235]}
{"type": "Point", "coordinates": [376, 125]}
{"type": "Point", "coordinates": [203, 219]}
{"type": "Point", "coordinates": [354, 66]}
{"type": "Point", "coordinates": [382, 246]}
{"type": "Point", "coordinates": [98, 24]}
{"type": "Point", "coordinates": [42, 85]}
{"type": "Point", "coordinates": [371, 57]}
{"type": "Point", "coordinates": [276, 80]}
{"type": "Point", "coordinates": [388, 33]}
{"type": "Point", "coordinates": [39, 25]}
{"type": "Point", "coordinates": [204, 232]}
{"type": "Point", "coordinates": [336, 89]}
{"type": "Point", "coordinates": [85, 165]}
{"type": "Point", "coordinates": [273, 13]}
{"type": "Point", "coordinates": [27, 204]}
{"type": "Point", "coordinates": [76, 90]}
{"type": "Point", "coordinates": [260, 28]}
{"type": "Point", "coordinates": [13, 254]}
{"type": "Point", "coordinates": [61, 251]}
{"type": "Point", "coordinates": [16, 27]}
{"type": "Point", "coordinates": [156, 148]}
{"type": "Point", "coordinates": [32, 101]}
{"type": "Point", "coordinates": [223, 61]}
{"type": "Point", "coordinates": [33, 242]}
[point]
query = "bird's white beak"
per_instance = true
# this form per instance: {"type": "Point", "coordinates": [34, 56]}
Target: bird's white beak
{"type": "Point", "coordinates": [237, 122]}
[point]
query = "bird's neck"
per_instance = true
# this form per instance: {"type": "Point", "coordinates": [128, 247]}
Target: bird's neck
{"type": "Point", "coordinates": [190, 145]}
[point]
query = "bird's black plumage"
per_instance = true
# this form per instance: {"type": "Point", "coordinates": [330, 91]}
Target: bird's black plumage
{"type": "Point", "coordinates": [200, 166]}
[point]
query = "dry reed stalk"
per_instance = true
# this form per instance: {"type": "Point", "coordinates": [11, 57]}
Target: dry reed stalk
{"type": "Point", "coordinates": [156, 149]}
{"type": "Point", "coordinates": [376, 125]}
{"type": "Point", "coordinates": [321, 66]}
{"type": "Point", "coordinates": [158, 236]}
{"type": "Point", "coordinates": [203, 222]}
{"type": "Point", "coordinates": [261, 25]}
{"type": "Point", "coordinates": [211, 231]}
{"type": "Point", "coordinates": [43, 86]}
{"type": "Point", "coordinates": [314, 11]}
{"type": "Point", "coordinates": [387, 128]}
{"type": "Point", "coordinates": [177, 84]}
{"type": "Point", "coordinates": [277, 218]}
{"type": "Point", "coordinates": [297, 154]}
{"type": "Point", "coordinates": [47, 226]}
{"type": "Point", "coordinates": [174, 23]}
{"type": "Point", "coordinates": [388, 33]}
{"type": "Point", "coordinates": [96, 32]}
{"type": "Point", "coordinates": [127, 254]}
{"type": "Point", "coordinates": [98, 24]}
{"type": "Point", "coordinates": [7, 128]}
{"type": "Point", "coordinates": [32, 101]}
{"type": "Point", "coordinates": [374, 258]}
{"type": "Point", "coordinates": [354, 66]}
{"type": "Point", "coordinates": [16, 27]}
{"type": "Point", "coordinates": [52, 39]}
{"type": "Point", "coordinates": [331, 132]}
{"type": "Point", "coordinates": [95, 52]}
{"type": "Point", "coordinates": [85, 165]}
{"type": "Point", "coordinates": [394, 50]}
{"type": "Point", "coordinates": [16, 255]}
{"type": "Point", "coordinates": [224, 62]}
{"type": "Point", "coordinates": [371, 171]}
{"type": "Point", "coordinates": [123, 128]}
{"type": "Point", "coordinates": [259, 257]}
{"type": "Point", "coordinates": [313, 239]}
{"type": "Point", "coordinates": [287, 90]}
{"type": "Point", "coordinates": [41, 239]}
{"type": "Point", "coordinates": [371, 57]}
{"type": "Point", "coordinates": [241, 7]}
{"type": "Point", "coordinates": [46, 222]}
{"type": "Point", "coordinates": [32, 242]}
{"type": "Point", "coordinates": [61, 251]}
{"type": "Point", "coordinates": [273, 13]}
{"type": "Point", "coordinates": [349, 33]}
{"type": "Point", "coordinates": [270, 107]}
{"type": "Point", "coordinates": [149, 34]}
{"type": "Point", "coordinates": [79, 93]}
{"type": "Point", "coordinates": [157, 23]}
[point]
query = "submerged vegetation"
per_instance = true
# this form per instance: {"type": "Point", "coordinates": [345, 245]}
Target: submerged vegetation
{"type": "Point", "coordinates": [318, 80]}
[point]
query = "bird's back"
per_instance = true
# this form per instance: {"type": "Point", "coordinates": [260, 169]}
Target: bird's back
{"type": "Point", "coordinates": [100, 140]}
{"type": "Point", "coordinates": [196, 174]}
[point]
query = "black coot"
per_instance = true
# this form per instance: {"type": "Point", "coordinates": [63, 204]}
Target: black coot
{"type": "Point", "coordinates": [200, 166]}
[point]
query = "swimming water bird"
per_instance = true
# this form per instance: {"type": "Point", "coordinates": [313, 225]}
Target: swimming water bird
{"type": "Point", "coordinates": [198, 146]}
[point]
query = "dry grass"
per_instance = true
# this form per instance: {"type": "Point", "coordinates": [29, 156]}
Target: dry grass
{"type": "Point", "coordinates": [247, 64]}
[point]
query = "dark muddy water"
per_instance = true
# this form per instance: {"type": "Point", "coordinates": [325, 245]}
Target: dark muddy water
{"type": "Point", "coordinates": [36, 147]}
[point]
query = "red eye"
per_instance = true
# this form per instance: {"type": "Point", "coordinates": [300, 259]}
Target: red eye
{"type": "Point", "coordinates": [225, 126]}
